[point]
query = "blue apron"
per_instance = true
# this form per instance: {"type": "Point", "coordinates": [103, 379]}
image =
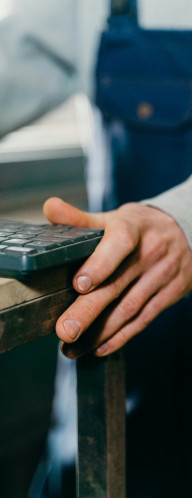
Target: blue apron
{"type": "Point", "coordinates": [144, 92]}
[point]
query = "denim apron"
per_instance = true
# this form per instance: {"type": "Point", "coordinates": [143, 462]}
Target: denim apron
{"type": "Point", "coordinates": [144, 92]}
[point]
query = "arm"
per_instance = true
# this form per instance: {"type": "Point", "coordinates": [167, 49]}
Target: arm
{"type": "Point", "coordinates": [47, 52]}
{"type": "Point", "coordinates": [142, 266]}
{"type": "Point", "coordinates": [38, 66]}
{"type": "Point", "coordinates": [178, 203]}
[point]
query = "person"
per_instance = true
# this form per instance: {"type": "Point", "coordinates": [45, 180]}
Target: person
{"type": "Point", "coordinates": [48, 58]}
{"type": "Point", "coordinates": [47, 53]}
{"type": "Point", "coordinates": [150, 269]}
{"type": "Point", "coordinates": [124, 287]}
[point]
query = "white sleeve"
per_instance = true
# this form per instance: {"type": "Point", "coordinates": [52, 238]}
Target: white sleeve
{"type": "Point", "coordinates": [178, 203]}
{"type": "Point", "coordinates": [47, 51]}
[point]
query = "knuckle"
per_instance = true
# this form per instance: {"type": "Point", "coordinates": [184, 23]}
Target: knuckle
{"type": "Point", "coordinates": [181, 286]}
{"type": "Point", "coordinates": [113, 344]}
{"type": "Point", "coordinates": [128, 308]}
{"type": "Point", "coordinates": [132, 307]}
{"type": "Point", "coordinates": [156, 248]}
{"type": "Point", "coordinates": [124, 236]}
{"type": "Point", "coordinates": [146, 319]}
{"type": "Point", "coordinates": [88, 309]}
{"type": "Point", "coordinates": [171, 267]}
{"type": "Point", "coordinates": [115, 288]}
{"type": "Point", "coordinates": [123, 336]}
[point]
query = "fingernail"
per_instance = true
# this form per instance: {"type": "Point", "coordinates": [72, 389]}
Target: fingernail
{"type": "Point", "coordinates": [102, 350]}
{"type": "Point", "coordinates": [62, 344]}
{"type": "Point", "coordinates": [84, 283]}
{"type": "Point", "coordinates": [67, 352]}
{"type": "Point", "coordinates": [72, 328]}
{"type": "Point", "coordinates": [70, 354]}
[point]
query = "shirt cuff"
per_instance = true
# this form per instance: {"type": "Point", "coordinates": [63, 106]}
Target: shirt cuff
{"type": "Point", "coordinates": [178, 203]}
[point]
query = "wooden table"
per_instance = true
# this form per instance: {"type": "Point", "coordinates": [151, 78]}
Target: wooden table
{"type": "Point", "coordinates": [28, 310]}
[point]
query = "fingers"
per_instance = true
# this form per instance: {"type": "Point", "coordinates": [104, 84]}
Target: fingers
{"type": "Point", "coordinates": [84, 311]}
{"type": "Point", "coordinates": [116, 244]}
{"type": "Point", "coordinates": [165, 298]}
{"type": "Point", "coordinates": [128, 306]}
{"type": "Point", "coordinates": [60, 212]}
{"type": "Point", "coordinates": [149, 284]}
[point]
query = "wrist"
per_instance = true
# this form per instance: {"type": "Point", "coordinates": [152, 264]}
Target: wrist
{"type": "Point", "coordinates": [146, 217]}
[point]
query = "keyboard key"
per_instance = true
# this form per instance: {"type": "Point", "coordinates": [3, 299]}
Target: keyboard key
{"type": "Point", "coordinates": [15, 242]}
{"type": "Point", "coordinates": [62, 229]}
{"type": "Point", "coordinates": [33, 230]}
{"type": "Point", "coordinates": [2, 238]}
{"type": "Point", "coordinates": [81, 233]}
{"type": "Point", "coordinates": [28, 233]}
{"type": "Point", "coordinates": [24, 235]}
{"type": "Point", "coordinates": [57, 238]}
{"type": "Point", "coordinates": [2, 247]}
{"type": "Point", "coordinates": [10, 224]}
{"type": "Point", "coordinates": [5, 233]}
{"type": "Point", "coordinates": [18, 250]}
{"type": "Point", "coordinates": [42, 245]}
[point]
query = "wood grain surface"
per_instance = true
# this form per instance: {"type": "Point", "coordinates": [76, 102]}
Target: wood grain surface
{"type": "Point", "coordinates": [30, 309]}
{"type": "Point", "coordinates": [14, 292]}
{"type": "Point", "coordinates": [101, 426]}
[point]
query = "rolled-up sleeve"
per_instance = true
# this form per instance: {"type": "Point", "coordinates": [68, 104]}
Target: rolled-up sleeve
{"type": "Point", "coordinates": [178, 203]}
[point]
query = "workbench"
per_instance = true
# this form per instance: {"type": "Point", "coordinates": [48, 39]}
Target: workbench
{"type": "Point", "coordinates": [28, 311]}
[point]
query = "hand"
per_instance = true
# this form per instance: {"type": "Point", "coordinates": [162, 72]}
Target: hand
{"type": "Point", "coordinates": [142, 265]}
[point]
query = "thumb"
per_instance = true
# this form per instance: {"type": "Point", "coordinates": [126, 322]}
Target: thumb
{"type": "Point", "coordinates": [62, 213]}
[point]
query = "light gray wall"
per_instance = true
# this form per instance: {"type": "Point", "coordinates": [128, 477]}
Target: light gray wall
{"type": "Point", "coordinates": [166, 13]}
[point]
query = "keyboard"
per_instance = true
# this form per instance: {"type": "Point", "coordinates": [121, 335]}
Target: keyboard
{"type": "Point", "coordinates": [26, 249]}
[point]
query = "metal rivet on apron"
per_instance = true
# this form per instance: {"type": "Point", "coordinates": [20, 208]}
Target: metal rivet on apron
{"type": "Point", "coordinates": [145, 110]}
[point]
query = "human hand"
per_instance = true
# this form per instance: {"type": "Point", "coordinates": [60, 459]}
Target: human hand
{"type": "Point", "coordinates": [142, 265]}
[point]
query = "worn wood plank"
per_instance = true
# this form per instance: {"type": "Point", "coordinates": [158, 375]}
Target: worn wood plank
{"type": "Point", "coordinates": [29, 310]}
{"type": "Point", "coordinates": [91, 471]}
{"type": "Point", "coordinates": [28, 321]}
{"type": "Point", "coordinates": [14, 292]}
{"type": "Point", "coordinates": [115, 425]}
{"type": "Point", "coordinates": [101, 427]}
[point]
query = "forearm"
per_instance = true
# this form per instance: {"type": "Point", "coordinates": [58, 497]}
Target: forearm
{"type": "Point", "coordinates": [38, 67]}
{"type": "Point", "coordinates": [178, 203]}
{"type": "Point", "coordinates": [47, 53]}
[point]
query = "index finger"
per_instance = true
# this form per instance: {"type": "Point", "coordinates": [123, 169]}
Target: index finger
{"type": "Point", "coordinates": [117, 243]}
{"type": "Point", "coordinates": [59, 212]}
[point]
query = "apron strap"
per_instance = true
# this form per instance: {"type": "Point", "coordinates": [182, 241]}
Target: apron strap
{"type": "Point", "coordinates": [124, 6]}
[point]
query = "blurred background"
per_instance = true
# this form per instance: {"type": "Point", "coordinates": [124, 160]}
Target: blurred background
{"type": "Point", "coordinates": [44, 158]}
{"type": "Point", "coordinates": [47, 157]}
